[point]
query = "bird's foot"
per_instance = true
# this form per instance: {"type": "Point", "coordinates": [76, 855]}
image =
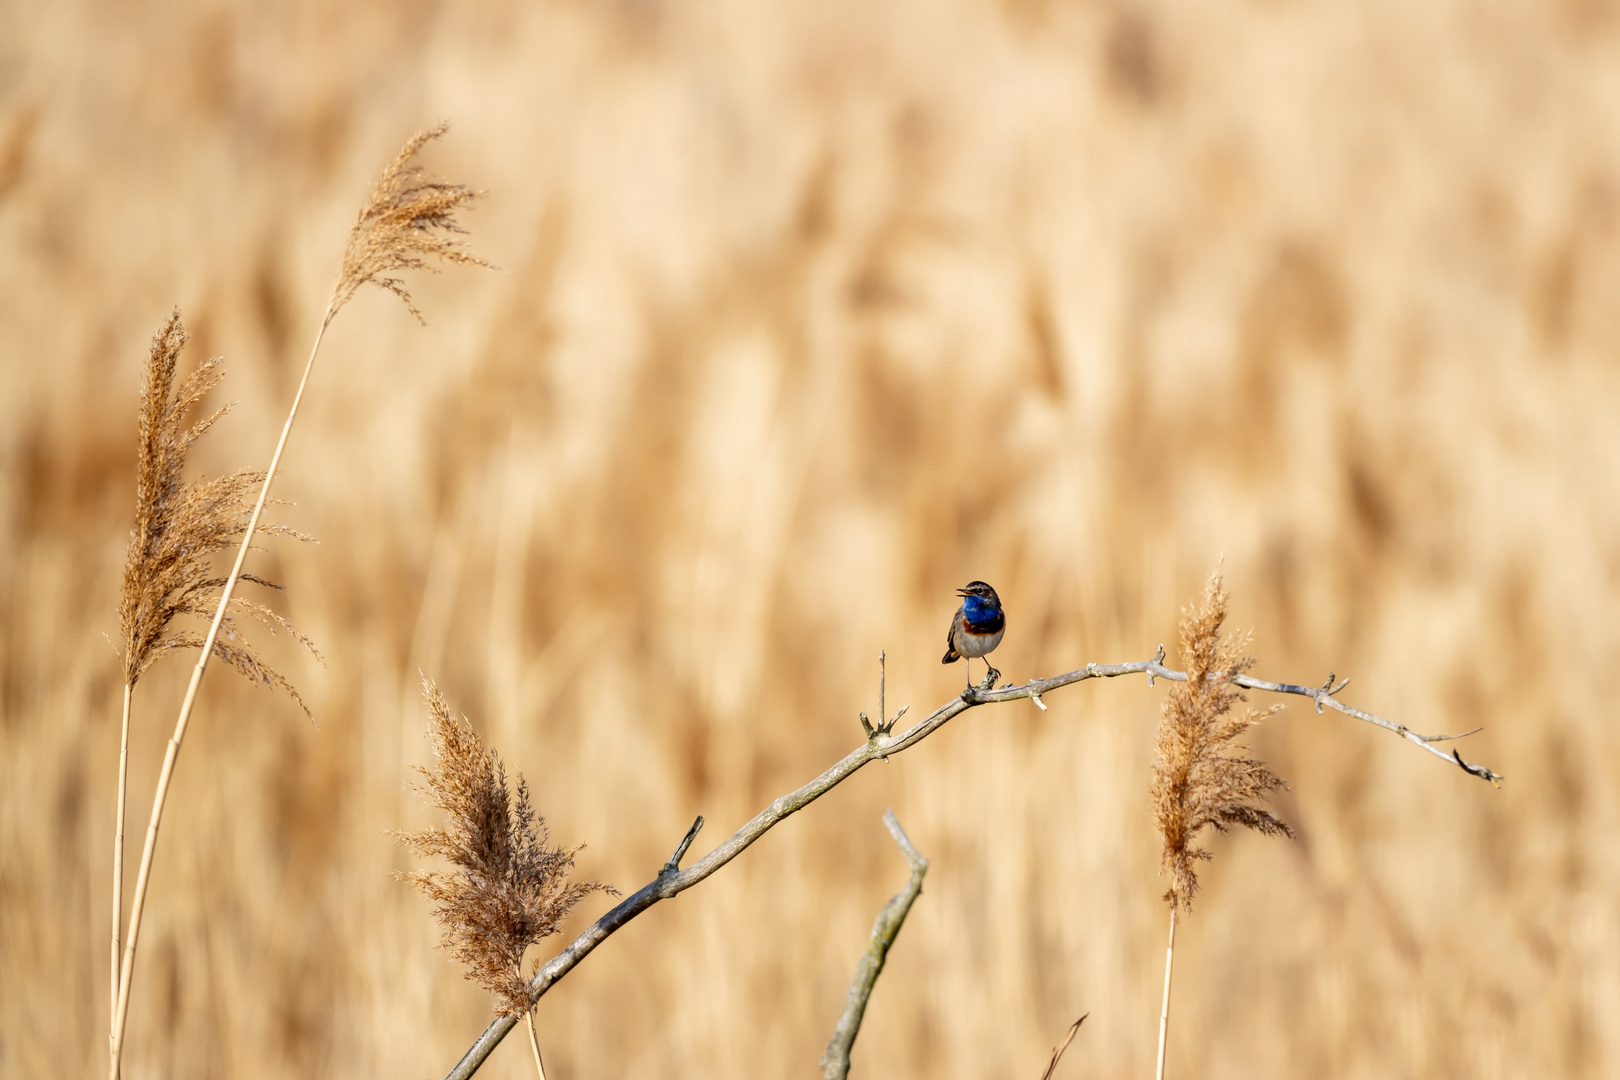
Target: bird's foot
{"type": "Point", "coordinates": [972, 692]}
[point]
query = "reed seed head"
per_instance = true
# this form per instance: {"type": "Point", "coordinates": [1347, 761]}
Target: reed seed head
{"type": "Point", "coordinates": [1200, 777]}
{"type": "Point", "coordinates": [408, 219]}
{"type": "Point", "coordinates": [180, 526]}
{"type": "Point", "coordinates": [509, 888]}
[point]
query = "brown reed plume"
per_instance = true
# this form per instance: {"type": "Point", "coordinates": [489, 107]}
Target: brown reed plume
{"type": "Point", "coordinates": [509, 889]}
{"type": "Point", "coordinates": [179, 527]}
{"type": "Point", "coordinates": [407, 220]}
{"type": "Point", "coordinates": [1201, 778]}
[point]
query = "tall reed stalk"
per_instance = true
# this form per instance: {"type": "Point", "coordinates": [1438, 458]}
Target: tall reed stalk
{"type": "Point", "coordinates": [408, 219]}
{"type": "Point", "coordinates": [508, 887]}
{"type": "Point", "coordinates": [1164, 1004]}
{"type": "Point", "coordinates": [1200, 777]}
{"type": "Point", "coordinates": [168, 569]}
{"type": "Point", "coordinates": [534, 1044]}
{"type": "Point", "coordinates": [118, 862]}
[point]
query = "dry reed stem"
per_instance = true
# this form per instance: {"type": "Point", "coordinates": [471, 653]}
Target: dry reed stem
{"type": "Point", "coordinates": [179, 527]}
{"type": "Point", "coordinates": [534, 1045]}
{"type": "Point", "coordinates": [1164, 1000]}
{"type": "Point", "coordinates": [1201, 779]}
{"type": "Point", "coordinates": [1057, 1051]}
{"type": "Point", "coordinates": [509, 888]}
{"type": "Point", "coordinates": [401, 224]}
{"type": "Point", "coordinates": [118, 865]}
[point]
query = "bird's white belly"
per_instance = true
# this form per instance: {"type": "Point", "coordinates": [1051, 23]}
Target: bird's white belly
{"type": "Point", "coordinates": [977, 645]}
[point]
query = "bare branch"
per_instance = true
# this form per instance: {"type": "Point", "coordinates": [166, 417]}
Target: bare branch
{"type": "Point", "coordinates": [1321, 695]}
{"type": "Point", "coordinates": [674, 864]}
{"type": "Point", "coordinates": [914, 858]}
{"type": "Point", "coordinates": [1324, 696]}
{"type": "Point", "coordinates": [835, 1062]}
{"type": "Point", "coordinates": [878, 746]}
{"type": "Point", "coordinates": [1057, 1051]}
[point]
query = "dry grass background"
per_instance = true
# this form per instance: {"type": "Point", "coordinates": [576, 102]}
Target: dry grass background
{"type": "Point", "coordinates": [811, 313]}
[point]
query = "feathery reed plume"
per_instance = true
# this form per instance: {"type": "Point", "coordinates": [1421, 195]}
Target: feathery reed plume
{"type": "Point", "coordinates": [1200, 778]}
{"type": "Point", "coordinates": [509, 888]}
{"type": "Point", "coordinates": [409, 218]}
{"type": "Point", "coordinates": [402, 224]}
{"type": "Point", "coordinates": [179, 527]}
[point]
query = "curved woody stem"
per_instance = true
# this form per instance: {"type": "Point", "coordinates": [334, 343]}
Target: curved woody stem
{"type": "Point", "coordinates": [880, 745]}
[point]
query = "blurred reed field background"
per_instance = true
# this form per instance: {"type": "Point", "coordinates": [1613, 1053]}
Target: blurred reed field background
{"type": "Point", "coordinates": [808, 315]}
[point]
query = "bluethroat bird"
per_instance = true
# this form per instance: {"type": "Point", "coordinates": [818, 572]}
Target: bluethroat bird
{"type": "Point", "coordinates": [976, 628]}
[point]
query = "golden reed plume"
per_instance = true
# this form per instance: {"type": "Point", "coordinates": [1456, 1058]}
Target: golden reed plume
{"type": "Point", "coordinates": [1200, 777]}
{"type": "Point", "coordinates": [509, 889]}
{"type": "Point", "coordinates": [179, 527]}
{"type": "Point", "coordinates": [408, 219]}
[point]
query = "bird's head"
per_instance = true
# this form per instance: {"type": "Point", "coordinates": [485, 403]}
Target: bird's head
{"type": "Point", "coordinates": [982, 591]}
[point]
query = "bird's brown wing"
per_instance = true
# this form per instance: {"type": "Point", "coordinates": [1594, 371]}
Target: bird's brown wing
{"type": "Point", "coordinates": [951, 655]}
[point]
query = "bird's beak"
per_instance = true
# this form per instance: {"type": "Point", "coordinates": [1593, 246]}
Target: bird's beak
{"type": "Point", "coordinates": [961, 592]}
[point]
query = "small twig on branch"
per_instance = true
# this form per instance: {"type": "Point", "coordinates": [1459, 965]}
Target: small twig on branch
{"type": "Point", "coordinates": [883, 680]}
{"type": "Point", "coordinates": [879, 745]}
{"type": "Point", "coordinates": [884, 727]}
{"type": "Point", "coordinates": [885, 724]}
{"type": "Point", "coordinates": [835, 1062]}
{"type": "Point", "coordinates": [674, 864]}
{"type": "Point", "coordinates": [1057, 1051]}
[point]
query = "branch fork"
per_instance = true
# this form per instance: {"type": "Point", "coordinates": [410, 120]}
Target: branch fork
{"type": "Point", "coordinates": [1328, 690]}
{"type": "Point", "coordinates": [881, 736]}
{"type": "Point", "coordinates": [674, 864]}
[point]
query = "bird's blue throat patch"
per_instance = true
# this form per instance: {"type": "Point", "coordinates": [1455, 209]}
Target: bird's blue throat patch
{"type": "Point", "coordinates": [981, 616]}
